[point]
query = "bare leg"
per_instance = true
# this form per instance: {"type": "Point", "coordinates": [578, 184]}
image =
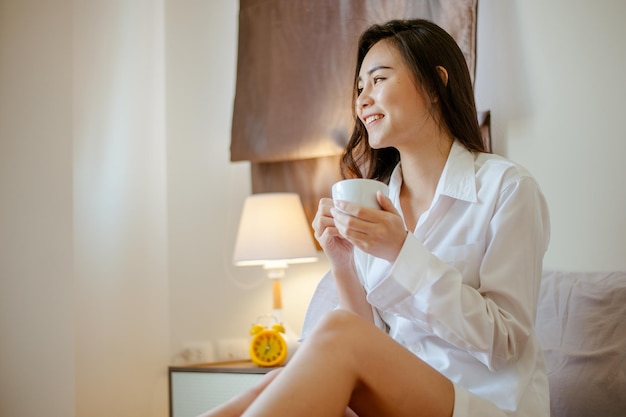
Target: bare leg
{"type": "Point", "coordinates": [348, 361]}
{"type": "Point", "coordinates": [238, 404]}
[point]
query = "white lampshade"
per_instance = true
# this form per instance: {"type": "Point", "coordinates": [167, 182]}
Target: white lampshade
{"type": "Point", "coordinates": [273, 232]}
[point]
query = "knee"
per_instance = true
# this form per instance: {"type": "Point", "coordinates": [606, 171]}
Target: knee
{"type": "Point", "coordinates": [338, 335]}
{"type": "Point", "coordinates": [337, 326]}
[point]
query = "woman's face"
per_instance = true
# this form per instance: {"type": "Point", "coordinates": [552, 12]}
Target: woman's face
{"type": "Point", "coordinates": [391, 105]}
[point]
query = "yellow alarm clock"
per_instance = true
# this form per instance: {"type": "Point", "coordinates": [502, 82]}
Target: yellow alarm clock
{"type": "Point", "coordinates": [268, 346]}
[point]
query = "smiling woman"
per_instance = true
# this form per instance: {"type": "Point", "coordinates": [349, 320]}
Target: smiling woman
{"type": "Point", "coordinates": [440, 281]}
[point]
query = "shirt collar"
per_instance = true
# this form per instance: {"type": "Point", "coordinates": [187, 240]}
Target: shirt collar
{"type": "Point", "coordinates": [458, 179]}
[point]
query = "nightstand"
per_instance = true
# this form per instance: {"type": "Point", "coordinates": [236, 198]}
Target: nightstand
{"type": "Point", "coordinates": [195, 389]}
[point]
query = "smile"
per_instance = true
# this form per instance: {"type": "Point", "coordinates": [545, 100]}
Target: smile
{"type": "Point", "coordinates": [373, 118]}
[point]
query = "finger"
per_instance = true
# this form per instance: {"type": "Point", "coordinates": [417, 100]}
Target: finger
{"type": "Point", "coordinates": [351, 227]}
{"type": "Point", "coordinates": [355, 210]}
{"type": "Point", "coordinates": [331, 241]}
{"type": "Point", "coordinates": [321, 224]}
{"type": "Point", "coordinates": [385, 203]}
{"type": "Point", "coordinates": [323, 210]}
{"type": "Point", "coordinates": [373, 225]}
{"type": "Point", "coordinates": [325, 204]}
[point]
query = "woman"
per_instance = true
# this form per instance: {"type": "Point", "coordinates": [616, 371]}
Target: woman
{"type": "Point", "coordinates": [437, 291]}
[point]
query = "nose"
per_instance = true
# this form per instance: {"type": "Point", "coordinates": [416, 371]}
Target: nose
{"type": "Point", "coordinates": [364, 99]}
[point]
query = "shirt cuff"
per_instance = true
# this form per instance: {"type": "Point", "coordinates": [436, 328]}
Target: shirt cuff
{"type": "Point", "coordinates": [414, 269]}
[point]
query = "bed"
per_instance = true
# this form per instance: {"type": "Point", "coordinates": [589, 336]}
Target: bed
{"type": "Point", "coordinates": [581, 322]}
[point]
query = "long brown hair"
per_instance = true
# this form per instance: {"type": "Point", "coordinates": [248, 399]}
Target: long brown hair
{"type": "Point", "coordinates": [424, 46]}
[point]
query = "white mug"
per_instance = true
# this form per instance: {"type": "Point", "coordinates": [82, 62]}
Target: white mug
{"type": "Point", "coordinates": [360, 191]}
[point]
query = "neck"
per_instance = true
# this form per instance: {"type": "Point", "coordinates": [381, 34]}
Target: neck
{"type": "Point", "coordinates": [421, 170]}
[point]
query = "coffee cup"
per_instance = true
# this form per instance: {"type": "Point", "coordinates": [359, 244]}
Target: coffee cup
{"type": "Point", "coordinates": [359, 191]}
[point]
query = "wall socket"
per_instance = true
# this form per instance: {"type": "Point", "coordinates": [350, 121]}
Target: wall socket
{"type": "Point", "coordinates": [195, 352]}
{"type": "Point", "coordinates": [233, 349]}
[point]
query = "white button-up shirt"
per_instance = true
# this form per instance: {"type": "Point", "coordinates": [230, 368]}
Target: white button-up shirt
{"type": "Point", "coordinates": [462, 293]}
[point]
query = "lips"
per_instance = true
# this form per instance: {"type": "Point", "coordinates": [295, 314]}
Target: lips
{"type": "Point", "coordinates": [372, 118]}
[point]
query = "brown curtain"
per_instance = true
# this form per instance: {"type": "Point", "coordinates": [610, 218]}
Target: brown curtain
{"type": "Point", "coordinates": [293, 111]}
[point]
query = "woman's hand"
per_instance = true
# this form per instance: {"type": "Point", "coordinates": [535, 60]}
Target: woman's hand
{"type": "Point", "coordinates": [340, 253]}
{"type": "Point", "coordinates": [337, 249]}
{"type": "Point", "coordinates": [378, 232]}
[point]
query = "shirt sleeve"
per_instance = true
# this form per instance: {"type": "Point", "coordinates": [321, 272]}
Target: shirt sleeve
{"type": "Point", "coordinates": [492, 321]}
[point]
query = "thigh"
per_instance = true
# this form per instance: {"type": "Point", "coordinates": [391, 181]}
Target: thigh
{"type": "Point", "coordinates": [390, 380]}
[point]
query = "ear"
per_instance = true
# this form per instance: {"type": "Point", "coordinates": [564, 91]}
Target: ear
{"type": "Point", "coordinates": [443, 74]}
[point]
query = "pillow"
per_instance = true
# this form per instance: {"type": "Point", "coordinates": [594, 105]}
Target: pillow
{"type": "Point", "coordinates": [581, 323]}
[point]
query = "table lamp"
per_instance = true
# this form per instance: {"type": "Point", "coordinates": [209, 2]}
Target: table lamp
{"type": "Point", "coordinates": [273, 233]}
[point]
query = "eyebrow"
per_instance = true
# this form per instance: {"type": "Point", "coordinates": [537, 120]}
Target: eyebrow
{"type": "Point", "coordinates": [374, 69]}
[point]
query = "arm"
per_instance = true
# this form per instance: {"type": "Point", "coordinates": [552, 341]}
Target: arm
{"type": "Point", "coordinates": [340, 253]}
{"type": "Point", "coordinates": [492, 321]}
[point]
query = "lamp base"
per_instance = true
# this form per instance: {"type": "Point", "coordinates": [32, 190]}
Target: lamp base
{"type": "Point", "coordinates": [275, 273]}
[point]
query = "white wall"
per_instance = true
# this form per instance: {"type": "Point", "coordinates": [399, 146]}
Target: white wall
{"type": "Point", "coordinates": [120, 202]}
{"type": "Point", "coordinates": [84, 306]}
{"type": "Point", "coordinates": [553, 75]}
{"type": "Point", "coordinates": [36, 239]}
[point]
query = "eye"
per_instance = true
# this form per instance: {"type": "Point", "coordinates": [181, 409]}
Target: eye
{"type": "Point", "coordinates": [378, 79]}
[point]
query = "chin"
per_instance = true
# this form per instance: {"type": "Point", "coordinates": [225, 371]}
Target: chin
{"type": "Point", "coordinates": [380, 140]}
{"type": "Point", "coordinates": [375, 144]}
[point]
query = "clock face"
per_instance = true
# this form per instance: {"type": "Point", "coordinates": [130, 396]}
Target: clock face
{"type": "Point", "coordinates": [268, 348]}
